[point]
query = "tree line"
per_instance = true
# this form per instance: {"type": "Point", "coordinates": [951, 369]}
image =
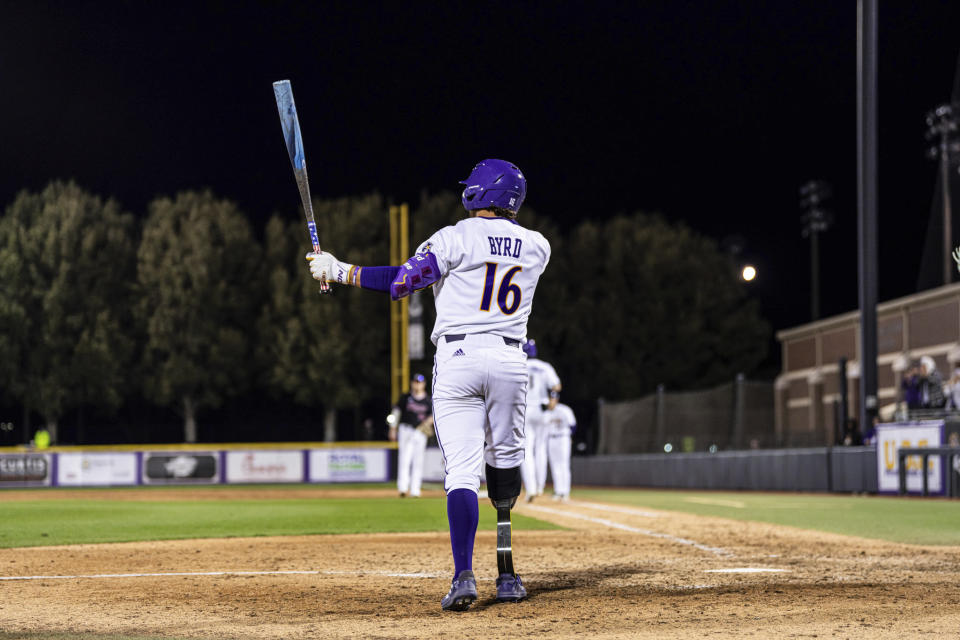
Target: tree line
{"type": "Point", "coordinates": [189, 307]}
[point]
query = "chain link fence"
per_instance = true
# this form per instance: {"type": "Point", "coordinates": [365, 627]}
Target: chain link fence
{"type": "Point", "coordinates": [735, 415]}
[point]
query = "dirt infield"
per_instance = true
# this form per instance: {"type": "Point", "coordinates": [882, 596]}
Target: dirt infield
{"type": "Point", "coordinates": [618, 572]}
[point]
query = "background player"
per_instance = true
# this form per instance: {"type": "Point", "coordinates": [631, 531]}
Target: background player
{"type": "Point", "coordinates": [543, 383]}
{"type": "Point", "coordinates": [559, 423]}
{"type": "Point", "coordinates": [411, 424]}
{"type": "Point", "coordinates": [484, 271]}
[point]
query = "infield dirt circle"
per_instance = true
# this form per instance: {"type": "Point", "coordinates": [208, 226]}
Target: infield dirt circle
{"type": "Point", "coordinates": [617, 572]}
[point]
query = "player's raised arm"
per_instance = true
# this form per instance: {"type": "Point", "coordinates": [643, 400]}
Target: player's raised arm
{"type": "Point", "coordinates": [419, 272]}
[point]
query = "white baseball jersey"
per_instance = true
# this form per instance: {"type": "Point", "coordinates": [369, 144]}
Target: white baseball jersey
{"type": "Point", "coordinates": [489, 270]}
{"type": "Point", "coordinates": [559, 420]}
{"type": "Point", "coordinates": [543, 377]}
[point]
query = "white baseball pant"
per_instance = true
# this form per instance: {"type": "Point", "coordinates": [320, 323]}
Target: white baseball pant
{"type": "Point", "coordinates": [541, 435]}
{"type": "Point", "coordinates": [411, 447]}
{"type": "Point", "coordinates": [559, 448]}
{"type": "Point", "coordinates": [479, 401]}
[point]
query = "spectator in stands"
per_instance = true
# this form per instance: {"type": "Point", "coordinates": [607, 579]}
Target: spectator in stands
{"type": "Point", "coordinates": [910, 384]}
{"type": "Point", "coordinates": [954, 441]}
{"type": "Point", "coordinates": [931, 384]}
{"type": "Point", "coordinates": [952, 390]}
{"type": "Point", "coordinates": [870, 436]}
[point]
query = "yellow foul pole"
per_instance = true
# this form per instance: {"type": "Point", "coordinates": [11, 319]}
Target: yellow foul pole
{"type": "Point", "coordinates": [394, 309]}
{"type": "Point", "coordinates": [399, 311]}
{"type": "Point", "coordinates": [404, 303]}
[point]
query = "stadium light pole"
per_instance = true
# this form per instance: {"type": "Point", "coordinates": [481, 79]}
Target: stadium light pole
{"type": "Point", "coordinates": [867, 205]}
{"type": "Point", "coordinates": [942, 131]}
{"type": "Point", "coordinates": [815, 220]}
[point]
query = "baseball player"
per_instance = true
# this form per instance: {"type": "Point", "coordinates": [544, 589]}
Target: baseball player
{"type": "Point", "coordinates": [484, 272]}
{"type": "Point", "coordinates": [411, 424]}
{"type": "Point", "coordinates": [542, 389]}
{"type": "Point", "coordinates": [560, 424]}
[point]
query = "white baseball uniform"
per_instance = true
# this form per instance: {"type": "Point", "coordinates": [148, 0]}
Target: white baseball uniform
{"type": "Point", "coordinates": [489, 271]}
{"type": "Point", "coordinates": [542, 378]}
{"type": "Point", "coordinates": [558, 423]}
{"type": "Point", "coordinates": [411, 442]}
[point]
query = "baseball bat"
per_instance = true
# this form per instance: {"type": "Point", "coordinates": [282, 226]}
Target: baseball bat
{"type": "Point", "coordinates": [287, 109]}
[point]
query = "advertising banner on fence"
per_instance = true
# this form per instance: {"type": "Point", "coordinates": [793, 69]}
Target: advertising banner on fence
{"type": "Point", "coordinates": [349, 465]}
{"type": "Point", "coordinates": [890, 437]}
{"type": "Point", "coordinates": [181, 467]}
{"type": "Point", "coordinates": [25, 470]}
{"type": "Point", "coordinates": [265, 466]}
{"type": "Point", "coordinates": [96, 469]}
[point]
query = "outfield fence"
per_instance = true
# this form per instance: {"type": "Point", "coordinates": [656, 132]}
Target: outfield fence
{"type": "Point", "coordinates": [209, 464]}
{"type": "Point", "coordinates": [839, 469]}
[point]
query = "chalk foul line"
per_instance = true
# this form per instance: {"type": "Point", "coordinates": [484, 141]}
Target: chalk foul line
{"type": "Point", "coordinates": [614, 509]}
{"type": "Point", "coordinates": [747, 570]}
{"type": "Point", "coordinates": [623, 527]}
{"type": "Point", "coordinates": [388, 574]}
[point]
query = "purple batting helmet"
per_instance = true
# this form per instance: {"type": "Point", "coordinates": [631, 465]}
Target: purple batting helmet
{"type": "Point", "coordinates": [494, 183]}
{"type": "Point", "coordinates": [530, 348]}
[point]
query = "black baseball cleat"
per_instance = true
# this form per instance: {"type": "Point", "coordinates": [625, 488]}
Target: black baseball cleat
{"type": "Point", "coordinates": [510, 588]}
{"type": "Point", "coordinates": [463, 592]}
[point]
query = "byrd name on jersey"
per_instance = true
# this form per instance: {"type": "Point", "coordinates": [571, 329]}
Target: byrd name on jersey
{"type": "Point", "coordinates": [505, 246]}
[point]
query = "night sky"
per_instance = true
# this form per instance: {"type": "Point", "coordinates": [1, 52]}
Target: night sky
{"type": "Point", "coordinates": [711, 112]}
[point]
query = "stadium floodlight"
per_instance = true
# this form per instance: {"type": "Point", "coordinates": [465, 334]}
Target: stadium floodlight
{"type": "Point", "coordinates": [815, 219]}
{"type": "Point", "coordinates": [943, 134]}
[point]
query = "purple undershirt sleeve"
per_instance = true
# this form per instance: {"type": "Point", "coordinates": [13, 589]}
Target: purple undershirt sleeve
{"type": "Point", "coordinates": [378, 278]}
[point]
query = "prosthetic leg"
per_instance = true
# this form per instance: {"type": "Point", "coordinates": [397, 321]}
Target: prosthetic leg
{"type": "Point", "coordinates": [503, 487]}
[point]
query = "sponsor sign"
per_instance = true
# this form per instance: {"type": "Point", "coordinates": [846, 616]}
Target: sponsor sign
{"type": "Point", "coordinates": [25, 470]}
{"type": "Point", "coordinates": [433, 465]}
{"type": "Point", "coordinates": [96, 469]}
{"type": "Point", "coordinates": [265, 466]}
{"type": "Point", "coordinates": [890, 437]}
{"type": "Point", "coordinates": [349, 465]}
{"type": "Point", "coordinates": [180, 467]}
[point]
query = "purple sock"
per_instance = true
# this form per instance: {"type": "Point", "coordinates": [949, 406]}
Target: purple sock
{"type": "Point", "coordinates": [463, 512]}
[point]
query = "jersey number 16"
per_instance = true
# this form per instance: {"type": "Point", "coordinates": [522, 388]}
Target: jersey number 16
{"type": "Point", "coordinates": [504, 292]}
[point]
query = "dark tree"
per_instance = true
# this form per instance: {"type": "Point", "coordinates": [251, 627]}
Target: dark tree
{"type": "Point", "coordinates": [66, 268]}
{"type": "Point", "coordinates": [637, 301]}
{"type": "Point", "coordinates": [199, 284]}
{"type": "Point", "coordinates": [329, 352]}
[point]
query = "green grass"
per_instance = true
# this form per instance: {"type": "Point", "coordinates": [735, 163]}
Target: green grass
{"type": "Point", "coordinates": [910, 520]}
{"type": "Point", "coordinates": [53, 522]}
{"type": "Point", "coordinates": [45, 522]}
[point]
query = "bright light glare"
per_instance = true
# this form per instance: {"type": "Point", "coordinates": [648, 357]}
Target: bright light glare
{"type": "Point", "coordinates": [749, 272]}
{"type": "Point", "coordinates": [668, 447]}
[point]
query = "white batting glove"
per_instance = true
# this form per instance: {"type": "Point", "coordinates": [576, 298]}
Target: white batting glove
{"type": "Point", "coordinates": [326, 268]}
{"type": "Point", "coordinates": [956, 257]}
